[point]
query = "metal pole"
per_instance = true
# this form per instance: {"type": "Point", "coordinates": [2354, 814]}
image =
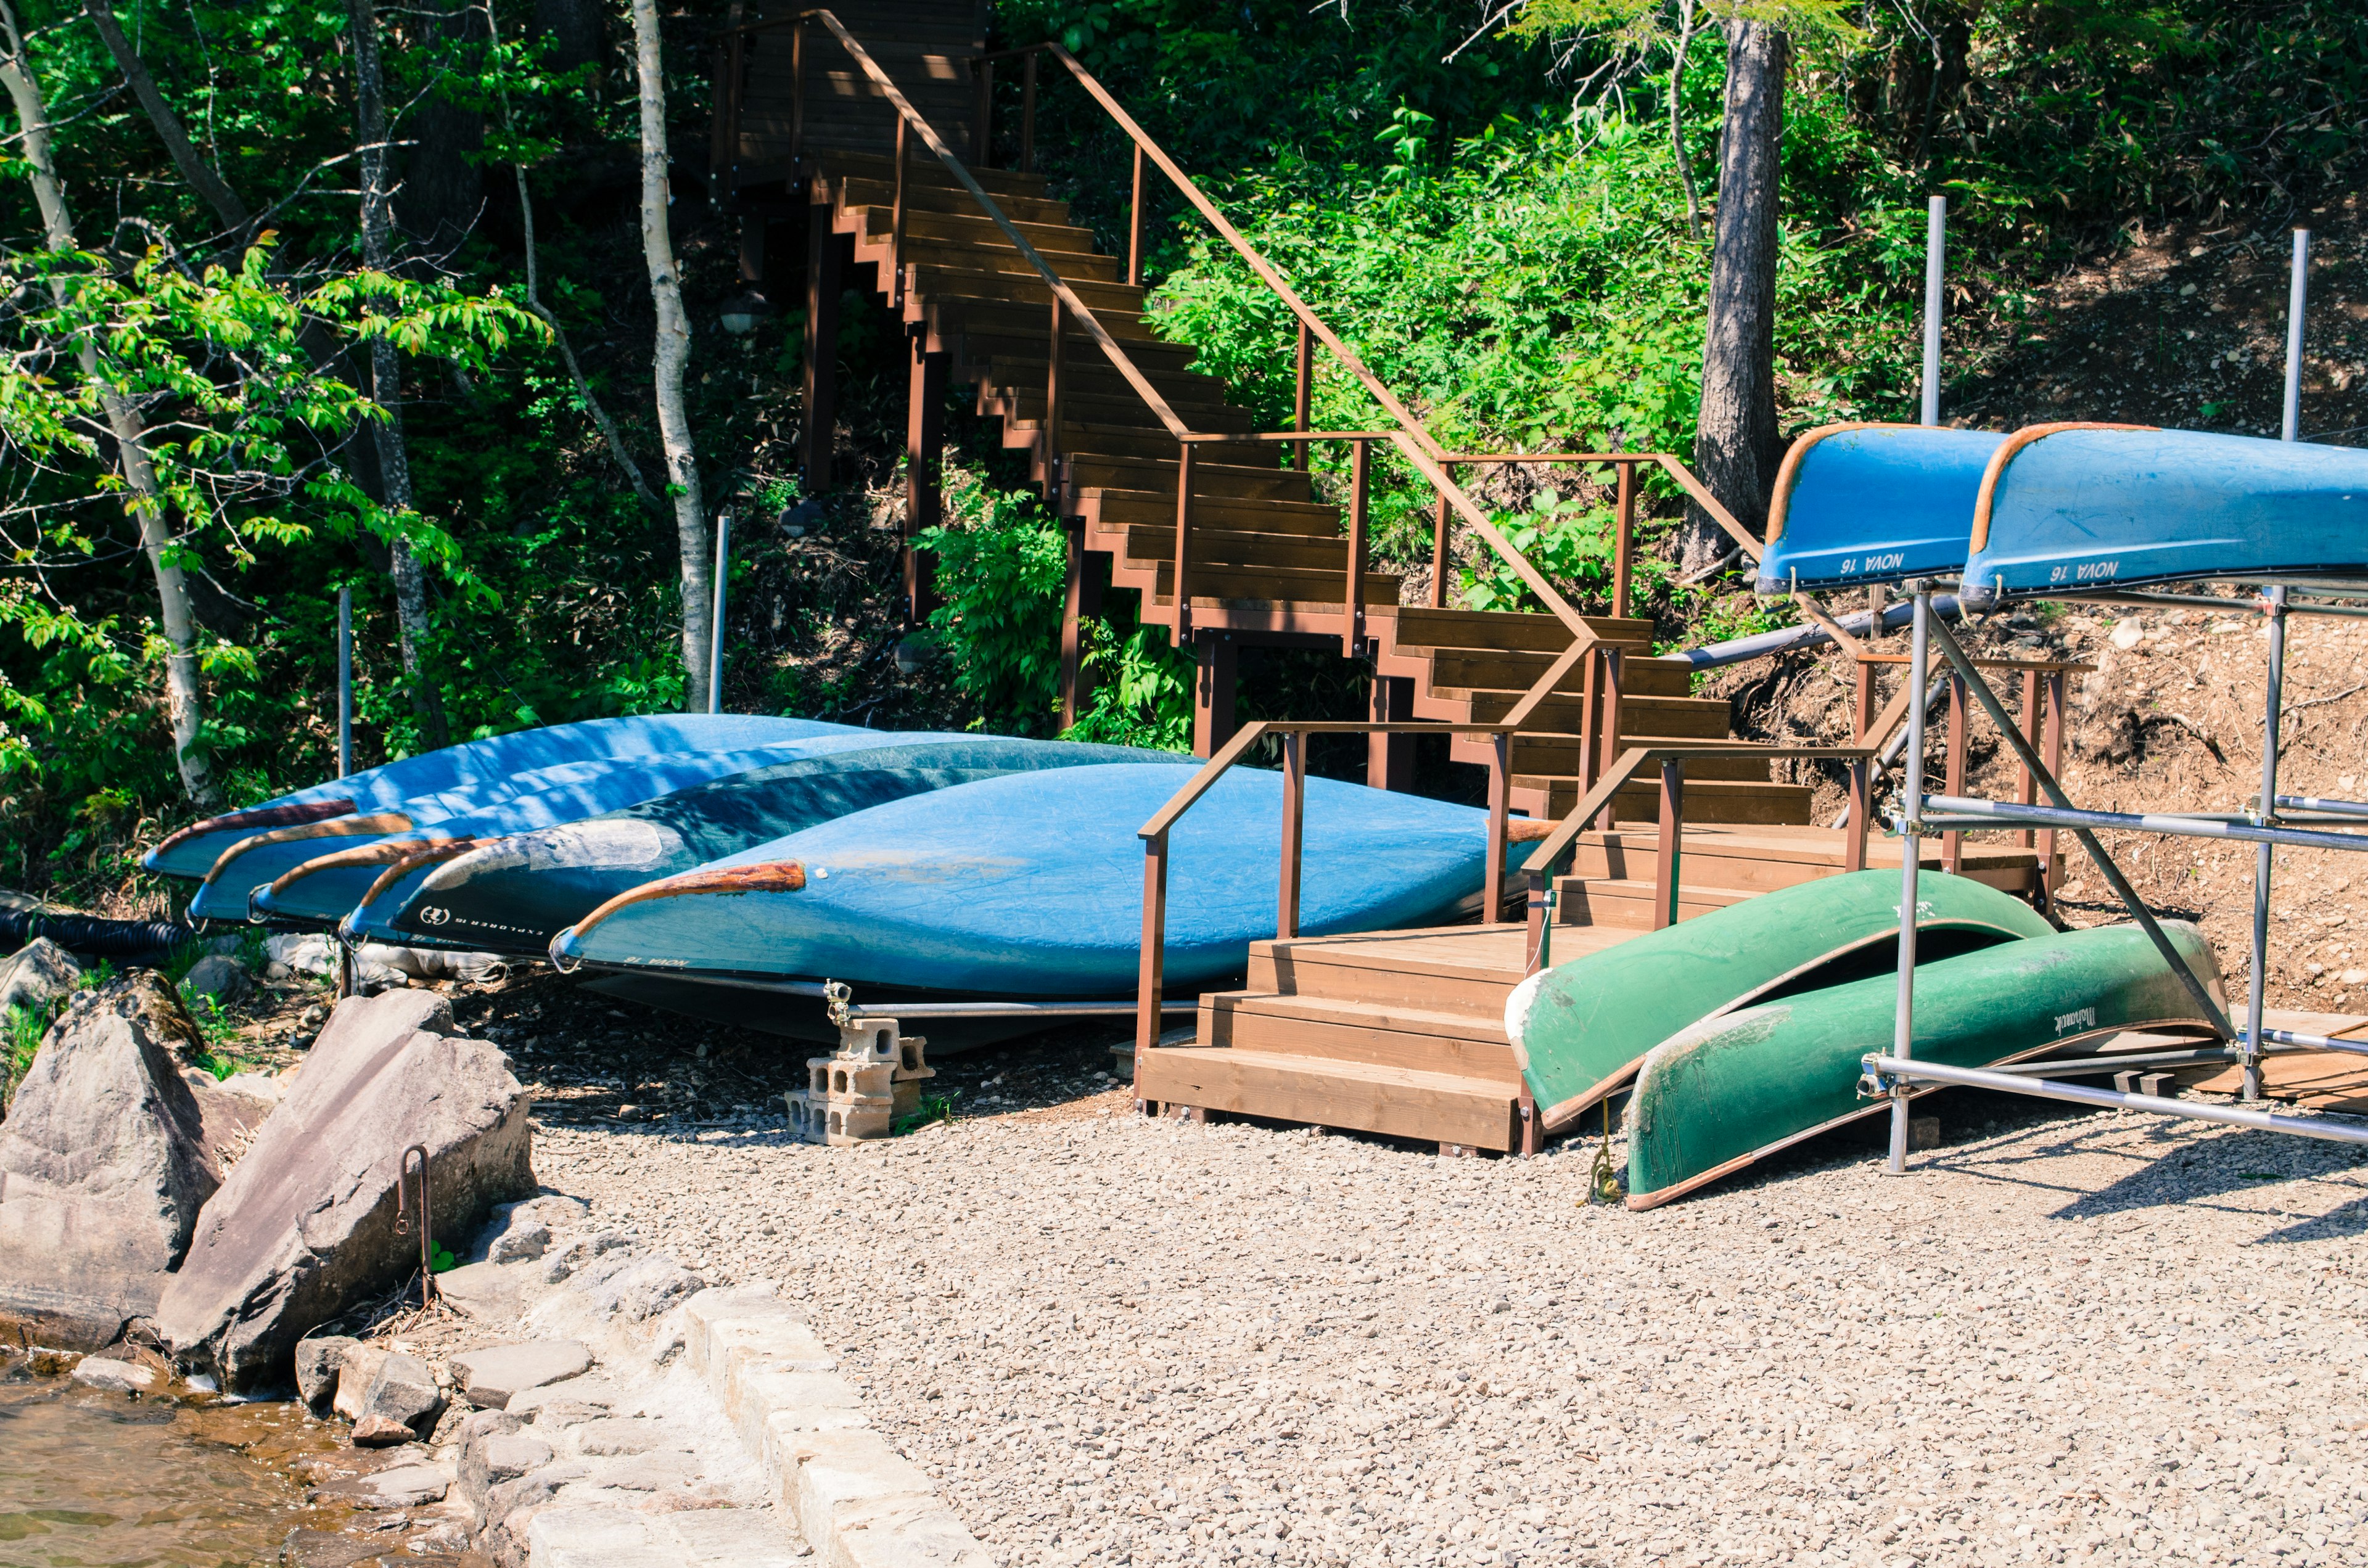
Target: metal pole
{"type": "Point", "coordinates": [345, 682]}
{"type": "Point", "coordinates": [1911, 846]}
{"type": "Point", "coordinates": [715, 628]}
{"type": "Point", "coordinates": [2331, 1128]}
{"type": "Point", "coordinates": [2297, 293]}
{"type": "Point", "coordinates": [2265, 810]}
{"type": "Point", "coordinates": [1936, 233]}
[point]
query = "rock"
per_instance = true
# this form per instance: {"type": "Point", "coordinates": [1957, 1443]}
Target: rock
{"type": "Point", "coordinates": [572, 1258]}
{"type": "Point", "coordinates": [618, 1435]}
{"type": "Point", "coordinates": [595, 1395]}
{"type": "Point", "coordinates": [495, 1460]}
{"type": "Point", "coordinates": [390, 1383]}
{"type": "Point", "coordinates": [643, 1289]}
{"type": "Point", "coordinates": [488, 1292]}
{"type": "Point", "coordinates": [103, 1169]}
{"type": "Point", "coordinates": [492, 1377]}
{"type": "Point", "coordinates": [116, 1377]}
{"type": "Point", "coordinates": [357, 1370]}
{"type": "Point", "coordinates": [403, 1487]}
{"type": "Point", "coordinates": [305, 1225]}
{"type": "Point", "coordinates": [219, 976]}
{"type": "Point", "coordinates": [292, 955]}
{"type": "Point", "coordinates": [381, 1432]}
{"type": "Point", "coordinates": [36, 975]}
{"type": "Point", "coordinates": [318, 1361]}
{"type": "Point", "coordinates": [432, 963]}
{"type": "Point", "coordinates": [514, 1234]}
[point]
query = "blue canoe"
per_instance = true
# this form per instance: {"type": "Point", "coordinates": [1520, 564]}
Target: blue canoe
{"type": "Point", "coordinates": [1033, 885]}
{"type": "Point", "coordinates": [2075, 508]}
{"type": "Point", "coordinates": [297, 877]}
{"type": "Point", "coordinates": [514, 894]}
{"type": "Point", "coordinates": [1857, 504]}
{"type": "Point", "coordinates": [191, 851]}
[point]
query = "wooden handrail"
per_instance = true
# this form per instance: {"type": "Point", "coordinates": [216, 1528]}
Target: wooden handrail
{"type": "Point", "coordinates": [1624, 769]}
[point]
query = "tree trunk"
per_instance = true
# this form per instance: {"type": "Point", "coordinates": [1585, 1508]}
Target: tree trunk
{"type": "Point", "coordinates": [570, 32]}
{"type": "Point", "coordinates": [443, 185]}
{"type": "Point", "coordinates": [386, 384]}
{"type": "Point", "coordinates": [201, 177]}
{"type": "Point", "coordinates": [184, 699]}
{"type": "Point", "coordinates": [1737, 446]}
{"type": "Point", "coordinates": [673, 354]}
{"type": "Point", "coordinates": [1677, 118]}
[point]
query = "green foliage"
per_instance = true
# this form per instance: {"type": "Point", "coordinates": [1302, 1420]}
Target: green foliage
{"type": "Point", "coordinates": [1142, 690]}
{"type": "Point", "coordinates": [441, 1260]}
{"type": "Point", "coordinates": [932, 1110]}
{"type": "Point", "coordinates": [1002, 564]}
{"type": "Point", "coordinates": [21, 1041]}
{"type": "Point", "coordinates": [1565, 538]}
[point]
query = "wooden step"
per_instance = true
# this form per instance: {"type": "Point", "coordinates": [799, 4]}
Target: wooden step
{"type": "Point", "coordinates": [847, 195]}
{"type": "Point", "coordinates": [1115, 511]}
{"type": "Point", "coordinates": [1007, 326]}
{"type": "Point", "coordinates": [924, 172]}
{"type": "Point", "coordinates": [1085, 370]}
{"type": "Point", "coordinates": [1693, 719]}
{"type": "Point", "coordinates": [1086, 271]}
{"type": "Point", "coordinates": [975, 230]}
{"type": "Point", "coordinates": [1108, 301]}
{"type": "Point", "coordinates": [1467, 970]}
{"type": "Point", "coordinates": [1302, 587]}
{"type": "Point", "coordinates": [1757, 860]}
{"type": "Point", "coordinates": [1396, 1102]}
{"type": "Point", "coordinates": [1128, 414]}
{"type": "Point", "coordinates": [1145, 547]}
{"type": "Point", "coordinates": [1562, 753]}
{"type": "Point", "coordinates": [1156, 477]}
{"type": "Point", "coordinates": [1711, 800]}
{"type": "Point", "coordinates": [1420, 626]}
{"type": "Point", "coordinates": [979, 336]}
{"type": "Point", "coordinates": [1413, 1038]}
{"type": "Point", "coordinates": [1628, 905]}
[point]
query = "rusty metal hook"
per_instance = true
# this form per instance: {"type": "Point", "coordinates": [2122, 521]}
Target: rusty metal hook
{"type": "Point", "coordinates": [426, 1225]}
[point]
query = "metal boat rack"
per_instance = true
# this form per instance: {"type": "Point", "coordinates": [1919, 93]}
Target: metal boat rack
{"type": "Point", "coordinates": [2267, 826]}
{"type": "Point", "coordinates": [840, 1001]}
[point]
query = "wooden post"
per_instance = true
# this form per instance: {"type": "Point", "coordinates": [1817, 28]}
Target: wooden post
{"type": "Point", "coordinates": [2027, 787]}
{"type": "Point", "coordinates": [1180, 583]}
{"type": "Point", "coordinates": [1151, 974]}
{"type": "Point", "coordinates": [1854, 831]}
{"type": "Point", "coordinates": [1669, 868]}
{"type": "Point", "coordinates": [797, 101]}
{"type": "Point", "coordinates": [823, 254]}
{"type": "Point", "coordinates": [1590, 689]}
{"type": "Point", "coordinates": [925, 441]}
{"type": "Point", "coordinates": [1353, 606]}
{"type": "Point", "coordinates": [1055, 354]}
{"type": "Point", "coordinates": [1389, 755]}
{"type": "Point", "coordinates": [1607, 747]}
{"type": "Point", "coordinates": [1134, 224]}
{"type": "Point", "coordinates": [1212, 693]}
{"type": "Point", "coordinates": [1534, 946]}
{"type": "Point", "coordinates": [1440, 525]}
{"type": "Point", "coordinates": [1501, 804]}
{"type": "Point", "coordinates": [1623, 548]}
{"type": "Point", "coordinates": [1302, 394]}
{"type": "Point", "coordinates": [1294, 819]}
{"type": "Point", "coordinates": [897, 219]}
{"type": "Point", "coordinates": [1073, 616]}
{"type": "Point", "coordinates": [2055, 753]}
{"type": "Point", "coordinates": [1952, 844]}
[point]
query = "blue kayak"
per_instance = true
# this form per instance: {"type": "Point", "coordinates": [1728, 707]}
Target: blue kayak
{"type": "Point", "coordinates": [514, 893]}
{"type": "Point", "coordinates": [1033, 885]}
{"type": "Point", "coordinates": [2075, 508]}
{"type": "Point", "coordinates": [1857, 504]}
{"type": "Point", "coordinates": [191, 851]}
{"type": "Point", "coordinates": [316, 880]}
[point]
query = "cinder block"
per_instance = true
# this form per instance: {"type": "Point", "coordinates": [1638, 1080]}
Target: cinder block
{"type": "Point", "coordinates": [872, 1039]}
{"type": "Point", "coordinates": [836, 1075]}
{"type": "Point", "coordinates": [806, 1115]}
{"type": "Point", "coordinates": [856, 1122]}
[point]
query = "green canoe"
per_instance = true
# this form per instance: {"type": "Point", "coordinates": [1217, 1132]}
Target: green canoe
{"type": "Point", "coordinates": [1730, 1090]}
{"type": "Point", "coordinates": [1580, 1029]}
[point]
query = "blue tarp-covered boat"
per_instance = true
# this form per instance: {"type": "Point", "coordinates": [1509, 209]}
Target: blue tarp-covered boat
{"type": "Point", "coordinates": [2073, 508]}
{"type": "Point", "coordinates": [514, 894]}
{"type": "Point", "coordinates": [193, 851]}
{"type": "Point", "coordinates": [1033, 885]}
{"type": "Point", "coordinates": [1864, 504]}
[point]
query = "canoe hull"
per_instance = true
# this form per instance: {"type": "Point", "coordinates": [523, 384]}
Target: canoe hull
{"type": "Point", "coordinates": [1732, 1090]}
{"type": "Point", "coordinates": [1864, 504]}
{"type": "Point", "coordinates": [1580, 1029]}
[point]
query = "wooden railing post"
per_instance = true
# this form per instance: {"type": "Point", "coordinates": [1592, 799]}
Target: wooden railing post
{"type": "Point", "coordinates": [1440, 526]}
{"type": "Point", "coordinates": [1500, 805]}
{"type": "Point", "coordinates": [1302, 394]}
{"type": "Point", "coordinates": [1057, 353]}
{"type": "Point", "coordinates": [1591, 753]}
{"type": "Point", "coordinates": [1623, 548]}
{"type": "Point", "coordinates": [1353, 629]}
{"type": "Point", "coordinates": [823, 251]}
{"type": "Point", "coordinates": [1182, 580]}
{"type": "Point", "coordinates": [1152, 974]}
{"type": "Point", "coordinates": [798, 98]}
{"type": "Point", "coordinates": [1861, 809]}
{"type": "Point", "coordinates": [1537, 947]}
{"type": "Point", "coordinates": [2026, 786]}
{"type": "Point", "coordinates": [982, 133]}
{"type": "Point", "coordinates": [1073, 623]}
{"type": "Point", "coordinates": [1294, 819]}
{"type": "Point", "coordinates": [2055, 748]}
{"type": "Point", "coordinates": [1952, 844]}
{"type": "Point", "coordinates": [1614, 674]}
{"type": "Point", "coordinates": [1668, 868]}
{"type": "Point", "coordinates": [1135, 226]}
{"type": "Point", "coordinates": [1028, 115]}
{"type": "Point", "coordinates": [896, 222]}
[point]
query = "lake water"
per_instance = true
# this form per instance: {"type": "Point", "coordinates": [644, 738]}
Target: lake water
{"type": "Point", "coordinates": [104, 1480]}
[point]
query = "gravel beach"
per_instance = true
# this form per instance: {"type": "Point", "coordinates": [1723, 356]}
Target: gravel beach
{"type": "Point", "coordinates": [2066, 1338]}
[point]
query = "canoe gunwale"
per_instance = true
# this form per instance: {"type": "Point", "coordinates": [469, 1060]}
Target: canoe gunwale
{"type": "Point", "coordinates": [378, 823]}
{"type": "Point", "coordinates": [1644, 1200]}
{"type": "Point", "coordinates": [763, 876]}
{"type": "Point", "coordinates": [256, 818]}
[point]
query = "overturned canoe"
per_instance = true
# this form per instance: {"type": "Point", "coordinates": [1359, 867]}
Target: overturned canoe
{"type": "Point", "coordinates": [1864, 504]}
{"type": "Point", "coordinates": [1032, 885]}
{"type": "Point", "coordinates": [191, 851]}
{"type": "Point", "coordinates": [514, 894]}
{"type": "Point", "coordinates": [542, 798]}
{"type": "Point", "coordinates": [2080, 508]}
{"type": "Point", "coordinates": [1732, 1089]}
{"type": "Point", "coordinates": [1580, 1029]}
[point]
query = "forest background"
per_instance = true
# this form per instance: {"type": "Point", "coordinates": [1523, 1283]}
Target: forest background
{"type": "Point", "coordinates": [1491, 205]}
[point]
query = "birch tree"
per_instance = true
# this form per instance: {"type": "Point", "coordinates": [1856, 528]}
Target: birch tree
{"type": "Point", "coordinates": [184, 698]}
{"type": "Point", "coordinates": [386, 378]}
{"type": "Point", "coordinates": [672, 357]}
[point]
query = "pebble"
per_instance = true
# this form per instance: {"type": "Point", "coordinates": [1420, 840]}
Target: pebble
{"type": "Point", "coordinates": [2080, 1338]}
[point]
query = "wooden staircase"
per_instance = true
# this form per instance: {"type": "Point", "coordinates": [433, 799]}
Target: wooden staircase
{"type": "Point", "coordinates": [1399, 1033]}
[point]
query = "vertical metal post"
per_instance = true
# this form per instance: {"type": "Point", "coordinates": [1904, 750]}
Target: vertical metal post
{"type": "Point", "coordinates": [1952, 844]}
{"type": "Point", "coordinates": [1134, 224]}
{"type": "Point", "coordinates": [1854, 839]}
{"type": "Point", "coordinates": [896, 219]}
{"type": "Point", "coordinates": [2273, 605]}
{"type": "Point", "coordinates": [1353, 618]}
{"type": "Point", "coordinates": [1294, 819]}
{"type": "Point", "coordinates": [2297, 297]}
{"type": "Point", "coordinates": [2026, 788]}
{"type": "Point", "coordinates": [345, 683]}
{"type": "Point", "coordinates": [2052, 747]}
{"type": "Point", "coordinates": [1055, 354]}
{"type": "Point", "coordinates": [1302, 394]}
{"type": "Point", "coordinates": [1500, 808]}
{"type": "Point", "coordinates": [1903, 1031]}
{"type": "Point", "coordinates": [715, 626]}
{"type": "Point", "coordinates": [1936, 235]}
{"type": "Point", "coordinates": [1623, 548]}
{"type": "Point", "coordinates": [1672, 848]}
{"type": "Point", "coordinates": [1028, 115]}
{"type": "Point", "coordinates": [1151, 974]}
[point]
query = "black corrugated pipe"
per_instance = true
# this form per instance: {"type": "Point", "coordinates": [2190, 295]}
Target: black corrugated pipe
{"type": "Point", "coordinates": [87, 934]}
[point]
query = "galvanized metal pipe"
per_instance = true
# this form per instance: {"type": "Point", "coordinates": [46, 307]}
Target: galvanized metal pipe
{"type": "Point", "coordinates": [345, 682]}
{"type": "Point", "coordinates": [715, 627]}
{"type": "Point", "coordinates": [2297, 297]}
{"type": "Point", "coordinates": [2319, 803]}
{"type": "Point", "coordinates": [1936, 234]}
{"type": "Point", "coordinates": [1911, 857]}
{"type": "Point", "coordinates": [2264, 857]}
{"type": "Point", "coordinates": [2273, 1038]}
{"type": "Point", "coordinates": [2013, 814]}
{"type": "Point", "coordinates": [1892, 1071]}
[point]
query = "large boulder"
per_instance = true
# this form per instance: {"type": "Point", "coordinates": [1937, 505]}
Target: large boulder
{"type": "Point", "coordinates": [103, 1169]}
{"type": "Point", "coordinates": [305, 1225]}
{"type": "Point", "coordinates": [36, 975]}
